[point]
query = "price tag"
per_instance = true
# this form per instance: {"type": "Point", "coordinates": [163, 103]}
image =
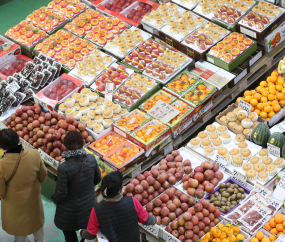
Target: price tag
{"type": "Point", "coordinates": [245, 106]}
{"type": "Point", "coordinates": [281, 238]}
{"type": "Point", "coordinates": [136, 171]}
{"type": "Point", "coordinates": [279, 191]}
{"type": "Point", "coordinates": [281, 126]}
{"type": "Point", "coordinates": [221, 161]}
{"type": "Point", "coordinates": [46, 157]}
{"type": "Point", "coordinates": [170, 238]}
{"type": "Point", "coordinates": [13, 87]}
{"type": "Point", "coordinates": [168, 149]}
{"type": "Point", "coordinates": [154, 230]}
{"type": "Point", "coordinates": [163, 112]}
{"type": "Point", "coordinates": [109, 91]}
{"type": "Point", "coordinates": [274, 150]}
{"type": "Point", "coordinates": [239, 177]}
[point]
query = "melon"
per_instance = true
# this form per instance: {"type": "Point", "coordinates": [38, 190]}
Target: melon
{"type": "Point", "coordinates": [261, 134]}
{"type": "Point", "coordinates": [277, 139]}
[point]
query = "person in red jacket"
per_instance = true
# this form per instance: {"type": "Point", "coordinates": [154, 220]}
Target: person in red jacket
{"type": "Point", "coordinates": [117, 216]}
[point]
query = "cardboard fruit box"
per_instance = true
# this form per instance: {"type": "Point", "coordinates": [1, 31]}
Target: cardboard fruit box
{"type": "Point", "coordinates": [229, 66]}
{"type": "Point", "coordinates": [185, 84]}
{"type": "Point", "coordinates": [152, 141]}
{"type": "Point", "coordinates": [119, 156]}
{"type": "Point", "coordinates": [121, 126]}
{"type": "Point", "coordinates": [230, 108]}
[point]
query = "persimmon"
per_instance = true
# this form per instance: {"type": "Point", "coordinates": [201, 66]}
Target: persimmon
{"type": "Point", "coordinates": [267, 226]}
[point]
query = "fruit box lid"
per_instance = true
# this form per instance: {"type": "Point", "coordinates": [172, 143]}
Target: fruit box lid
{"type": "Point", "coordinates": [160, 92]}
{"type": "Point", "coordinates": [135, 112]}
{"type": "Point", "coordinates": [126, 144]}
{"type": "Point", "coordinates": [112, 133]}
{"type": "Point", "coordinates": [179, 102]}
{"type": "Point", "coordinates": [208, 85]}
{"type": "Point", "coordinates": [190, 75]}
{"type": "Point", "coordinates": [151, 122]}
{"type": "Point", "coordinates": [40, 95]}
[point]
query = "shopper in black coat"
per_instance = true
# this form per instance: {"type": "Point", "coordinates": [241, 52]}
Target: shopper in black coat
{"type": "Point", "coordinates": [74, 194]}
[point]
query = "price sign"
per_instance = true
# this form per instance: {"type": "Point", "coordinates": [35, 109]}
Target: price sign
{"type": "Point", "coordinates": [245, 106]}
{"type": "Point", "coordinates": [109, 91]}
{"type": "Point", "coordinates": [239, 177]}
{"type": "Point", "coordinates": [168, 149]}
{"type": "Point", "coordinates": [274, 150]}
{"type": "Point", "coordinates": [46, 157]}
{"type": "Point", "coordinates": [221, 161]}
{"type": "Point", "coordinates": [279, 191]}
{"type": "Point", "coordinates": [281, 238]}
{"type": "Point", "coordinates": [170, 238]}
{"type": "Point", "coordinates": [281, 126]}
{"type": "Point", "coordinates": [136, 171]}
{"type": "Point", "coordinates": [13, 87]}
{"type": "Point", "coordinates": [154, 230]}
{"type": "Point", "coordinates": [163, 112]}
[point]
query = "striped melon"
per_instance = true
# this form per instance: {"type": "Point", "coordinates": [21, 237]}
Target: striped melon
{"type": "Point", "coordinates": [277, 139]}
{"type": "Point", "coordinates": [261, 134]}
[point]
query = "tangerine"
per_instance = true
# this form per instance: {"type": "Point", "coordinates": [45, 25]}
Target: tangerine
{"type": "Point", "coordinates": [279, 227]}
{"type": "Point", "coordinates": [280, 96]}
{"type": "Point", "coordinates": [271, 114]}
{"type": "Point", "coordinates": [253, 102]}
{"type": "Point", "coordinates": [271, 96]}
{"type": "Point", "coordinates": [263, 84]}
{"type": "Point", "coordinates": [278, 218]}
{"type": "Point", "coordinates": [263, 114]}
{"type": "Point", "coordinates": [247, 93]}
{"type": "Point", "coordinates": [257, 111]}
{"type": "Point", "coordinates": [259, 235]}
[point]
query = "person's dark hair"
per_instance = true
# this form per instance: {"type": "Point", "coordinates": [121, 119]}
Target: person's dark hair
{"type": "Point", "coordinates": [9, 139]}
{"type": "Point", "coordinates": [73, 140]}
{"type": "Point", "coordinates": [114, 184]}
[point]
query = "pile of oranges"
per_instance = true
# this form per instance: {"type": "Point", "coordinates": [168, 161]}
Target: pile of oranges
{"type": "Point", "coordinates": [149, 132]}
{"type": "Point", "coordinates": [181, 84]}
{"type": "Point", "coordinates": [198, 94]}
{"type": "Point", "coordinates": [151, 102]}
{"type": "Point", "coordinates": [182, 108]}
{"type": "Point", "coordinates": [107, 143]}
{"type": "Point", "coordinates": [132, 122]}
{"type": "Point", "coordinates": [123, 155]}
{"type": "Point", "coordinates": [267, 97]}
{"type": "Point", "coordinates": [259, 237]}
{"type": "Point", "coordinates": [276, 225]}
{"type": "Point", "coordinates": [223, 233]}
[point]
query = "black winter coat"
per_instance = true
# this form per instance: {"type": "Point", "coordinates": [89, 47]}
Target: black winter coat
{"type": "Point", "coordinates": [75, 201]}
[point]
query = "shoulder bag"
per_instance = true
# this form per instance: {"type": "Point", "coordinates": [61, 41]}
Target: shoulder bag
{"type": "Point", "coordinates": [16, 167]}
{"type": "Point", "coordinates": [78, 173]}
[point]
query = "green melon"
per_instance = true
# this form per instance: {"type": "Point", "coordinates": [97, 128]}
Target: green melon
{"type": "Point", "coordinates": [277, 139]}
{"type": "Point", "coordinates": [261, 134]}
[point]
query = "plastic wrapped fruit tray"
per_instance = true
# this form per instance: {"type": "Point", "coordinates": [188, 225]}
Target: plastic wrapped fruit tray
{"type": "Point", "coordinates": [26, 34]}
{"type": "Point", "coordinates": [232, 181]}
{"type": "Point", "coordinates": [112, 7]}
{"type": "Point", "coordinates": [68, 8]}
{"type": "Point", "coordinates": [199, 93]}
{"type": "Point", "coordinates": [186, 4]}
{"type": "Point", "coordinates": [127, 41]}
{"type": "Point", "coordinates": [231, 47]}
{"type": "Point", "coordinates": [259, 18]}
{"type": "Point", "coordinates": [66, 48]}
{"type": "Point", "coordinates": [205, 37]}
{"type": "Point", "coordinates": [123, 155]}
{"type": "Point", "coordinates": [46, 19]}
{"type": "Point", "coordinates": [184, 111]}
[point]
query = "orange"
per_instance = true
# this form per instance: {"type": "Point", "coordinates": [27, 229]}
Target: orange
{"type": "Point", "coordinates": [276, 108]}
{"type": "Point", "coordinates": [262, 90]}
{"type": "Point", "coordinates": [279, 234]}
{"type": "Point", "coordinates": [279, 88]}
{"type": "Point", "coordinates": [271, 114]}
{"type": "Point", "coordinates": [267, 226]}
{"type": "Point", "coordinates": [272, 237]}
{"type": "Point", "coordinates": [280, 81]}
{"type": "Point", "coordinates": [265, 93]}
{"type": "Point", "coordinates": [263, 83]}
{"type": "Point", "coordinates": [254, 240]}
{"type": "Point", "coordinates": [272, 223]}
{"type": "Point", "coordinates": [275, 102]}
{"type": "Point", "coordinates": [272, 91]}
{"type": "Point", "coordinates": [265, 239]}
{"type": "Point", "coordinates": [267, 108]}
{"type": "Point", "coordinates": [247, 99]}
{"type": "Point", "coordinates": [283, 90]}
{"type": "Point", "coordinates": [274, 231]}
{"type": "Point", "coordinates": [271, 96]}
{"type": "Point", "coordinates": [239, 98]}
{"type": "Point", "coordinates": [271, 86]}
{"type": "Point", "coordinates": [258, 88]}
{"type": "Point", "coordinates": [235, 228]}
{"type": "Point", "coordinates": [247, 93]}
{"type": "Point", "coordinates": [279, 227]}
{"type": "Point", "coordinates": [263, 114]}
{"type": "Point", "coordinates": [253, 92]}
{"type": "Point", "coordinates": [240, 237]}
{"type": "Point", "coordinates": [280, 96]}
{"type": "Point", "coordinates": [269, 103]}
{"type": "Point", "coordinates": [282, 102]}
{"type": "Point", "coordinates": [257, 96]}
{"type": "Point", "coordinates": [268, 79]}
{"type": "Point", "coordinates": [252, 108]}
{"type": "Point", "coordinates": [225, 240]}
{"type": "Point", "coordinates": [274, 73]}
{"type": "Point", "coordinates": [278, 218]}
{"type": "Point", "coordinates": [260, 106]}
{"type": "Point", "coordinates": [284, 231]}
{"type": "Point", "coordinates": [257, 111]}
{"type": "Point", "coordinates": [259, 235]}
{"type": "Point", "coordinates": [209, 236]}
{"type": "Point", "coordinates": [253, 102]}
{"type": "Point", "coordinates": [273, 79]}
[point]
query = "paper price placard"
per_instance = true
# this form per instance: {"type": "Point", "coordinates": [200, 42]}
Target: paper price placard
{"type": "Point", "coordinates": [274, 150]}
{"type": "Point", "coordinates": [279, 191]}
{"type": "Point", "coordinates": [170, 238]}
{"type": "Point", "coordinates": [109, 91]}
{"type": "Point", "coordinates": [136, 171]}
{"type": "Point", "coordinates": [151, 229]}
{"type": "Point", "coordinates": [245, 106]}
{"type": "Point", "coordinates": [221, 161]}
{"type": "Point", "coordinates": [281, 238]}
{"type": "Point", "coordinates": [168, 149]}
{"type": "Point", "coordinates": [13, 87]}
{"type": "Point", "coordinates": [281, 126]}
{"type": "Point", "coordinates": [239, 177]}
{"type": "Point", "coordinates": [163, 112]}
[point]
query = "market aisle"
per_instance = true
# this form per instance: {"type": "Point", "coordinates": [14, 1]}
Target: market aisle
{"type": "Point", "coordinates": [52, 233]}
{"type": "Point", "coordinates": [14, 11]}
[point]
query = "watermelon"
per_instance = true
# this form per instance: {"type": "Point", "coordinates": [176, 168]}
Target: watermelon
{"type": "Point", "coordinates": [261, 134]}
{"type": "Point", "coordinates": [277, 139]}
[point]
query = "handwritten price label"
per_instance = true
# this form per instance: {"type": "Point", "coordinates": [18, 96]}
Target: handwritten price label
{"type": "Point", "coordinates": [274, 150]}
{"type": "Point", "coordinates": [279, 191]}
{"type": "Point", "coordinates": [109, 91]}
{"type": "Point", "coordinates": [245, 106]}
{"type": "Point", "coordinates": [281, 238]}
{"type": "Point", "coordinates": [163, 112]}
{"type": "Point", "coordinates": [221, 161]}
{"type": "Point", "coordinates": [151, 229]}
{"type": "Point", "coordinates": [170, 238]}
{"type": "Point", "coordinates": [281, 126]}
{"type": "Point", "coordinates": [46, 157]}
{"type": "Point", "coordinates": [239, 177]}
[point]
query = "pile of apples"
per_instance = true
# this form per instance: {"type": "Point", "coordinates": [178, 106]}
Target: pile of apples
{"type": "Point", "coordinates": [195, 223]}
{"type": "Point", "coordinates": [204, 178]}
{"type": "Point", "coordinates": [45, 130]}
{"type": "Point", "coordinates": [169, 205]}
